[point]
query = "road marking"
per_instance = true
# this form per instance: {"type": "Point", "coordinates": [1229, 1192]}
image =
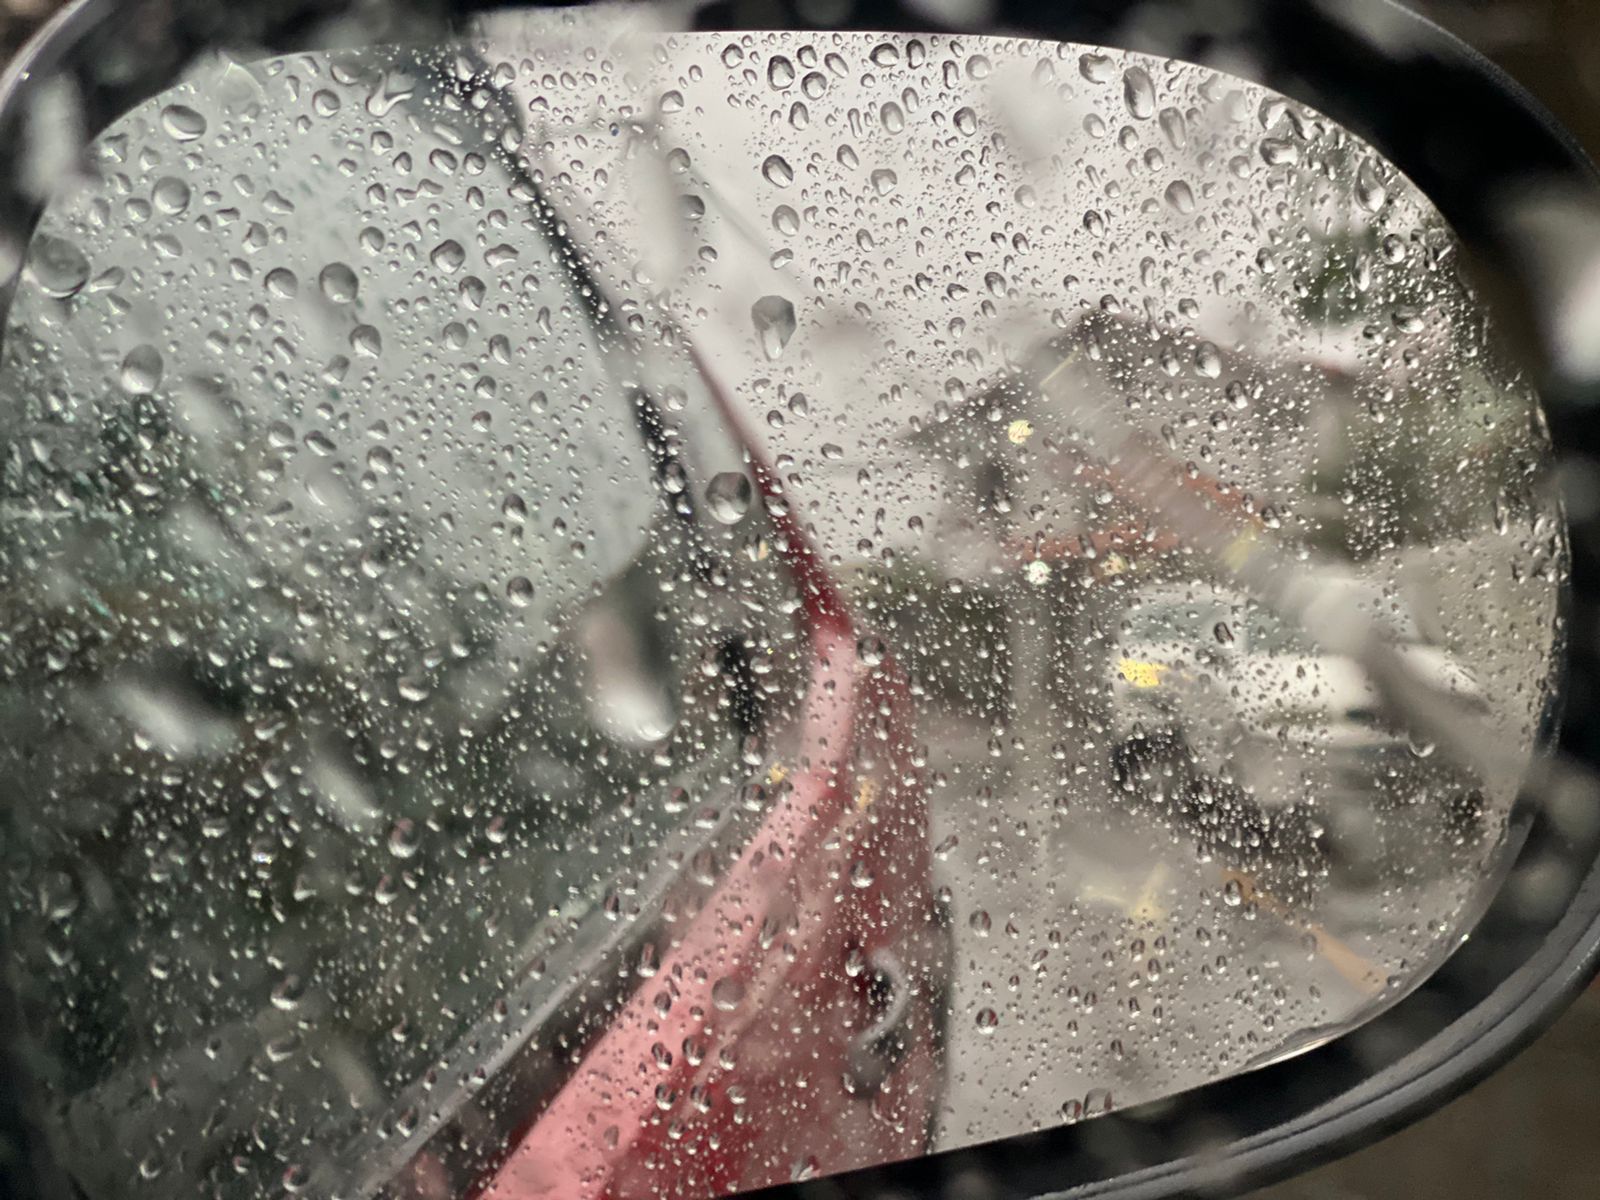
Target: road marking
{"type": "Point", "coordinates": [1061, 366]}
{"type": "Point", "coordinates": [1148, 907]}
{"type": "Point", "coordinates": [1355, 968]}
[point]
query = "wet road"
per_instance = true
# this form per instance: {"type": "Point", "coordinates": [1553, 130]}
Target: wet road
{"type": "Point", "coordinates": [1102, 959]}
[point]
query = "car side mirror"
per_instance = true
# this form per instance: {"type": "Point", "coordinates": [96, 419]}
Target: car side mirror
{"type": "Point", "coordinates": [328, 337]}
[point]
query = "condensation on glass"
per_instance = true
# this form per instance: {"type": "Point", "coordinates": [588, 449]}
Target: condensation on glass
{"type": "Point", "coordinates": [584, 613]}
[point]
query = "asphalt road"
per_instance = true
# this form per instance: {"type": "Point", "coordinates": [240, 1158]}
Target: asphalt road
{"type": "Point", "coordinates": [1103, 959]}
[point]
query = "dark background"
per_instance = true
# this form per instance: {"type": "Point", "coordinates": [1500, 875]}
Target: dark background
{"type": "Point", "coordinates": [1533, 1129]}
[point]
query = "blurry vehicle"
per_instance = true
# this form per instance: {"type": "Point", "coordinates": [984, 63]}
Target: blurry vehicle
{"type": "Point", "coordinates": [1213, 691]}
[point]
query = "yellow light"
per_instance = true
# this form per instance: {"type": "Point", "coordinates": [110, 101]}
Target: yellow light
{"type": "Point", "coordinates": [1142, 674]}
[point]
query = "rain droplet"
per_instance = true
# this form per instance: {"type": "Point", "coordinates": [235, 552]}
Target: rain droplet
{"type": "Point", "coordinates": [1407, 319]}
{"type": "Point", "coordinates": [1279, 152]}
{"type": "Point", "coordinates": [884, 181]}
{"type": "Point", "coordinates": [1138, 93]}
{"type": "Point", "coordinates": [774, 320]}
{"type": "Point", "coordinates": [366, 341]}
{"type": "Point", "coordinates": [181, 123]}
{"type": "Point", "coordinates": [777, 171]}
{"type": "Point", "coordinates": [728, 496]}
{"type": "Point", "coordinates": [892, 117]}
{"type": "Point", "coordinates": [281, 282]}
{"type": "Point", "coordinates": [1180, 196]}
{"type": "Point", "coordinates": [780, 72]}
{"type": "Point", "coordinates": [448, 256]}
{"type": "Point", "coordinates": [403, 839]}
{"type": "Point", "coordinates": [785, 220]}
{"type": "Point", "coordinates": [1097, 68]}
{"type": "Point", "coordinates": [872, 651]}
{"type": "Point", "coordinates": [57, 266]}
{"type": "Point", "coordinates": [338, 283]}
{"type": "Point", "coordinates": [141, 370]}
{"type": "Point", "coordinates": [519, 591]}
{"type": "Point", "coordinates": [966, 121]}
{"type": "Point", "coordinates": [1172, 124]}
{"type": "Point", "coordinates": [986, 1021]}
{"type": "Point", "coordinates": [1370, 191]}
{"type": "Point", "coordinates": [170, 195]}
{"type": "Point", "coordinates": [286, 995]}
{"type": "Point", "coordinates": [727, 993]}
{"type": "Point", "coordinates": [1207, 360]}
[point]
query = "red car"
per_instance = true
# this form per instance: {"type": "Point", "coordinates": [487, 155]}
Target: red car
{"type": "Point", "coordinates": [790, 1020]}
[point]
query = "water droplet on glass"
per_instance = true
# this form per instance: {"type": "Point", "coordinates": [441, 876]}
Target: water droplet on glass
{"type": "Point", "coordinates": [728, 496]}
{"type": "Point", "coordinates": [1407, 319]}
{"type": "Point", "coordinates": [338, 283]}
{"type": "Point", "coordinates": [777, 171]}
{"type": "Point", "coordinates": [884, 181]}
{"type": "Point", "coordinates": [780, 72]}
{"type": "Point", "coordinates": [1097, 68]}
{"type": "Point", "coordinates": [170, 195]}
{"type": "Point", "coordinates": [282, 283]}
{"type": "Point", "coordinates": [1279, 152]}
{"type": "Point", "coordinates": [366, 341]}
{"type": "Point", "coordinates": [892, 117]}
{"type": "Point", "coordinates": [57, 266]}
{"type": "Point", "coordinates": [1370, 191]}
{"type": "Point", "coordinates": [774, 320]}
{"type": "Point", "coordinates": [986, 1020]}
{"type": "Point", "coordinates": [1180, 196]}
{"type": "Point", "coordinates": [448, 256]}
{"type": "Point", "coordinates": [1138, 93]}
{"type": "Point", "coordinates": [287, 994]}
{"type": "Point", "coordinates": [141, 370]}
{"type": "Point", "coordinates": [1172, 124]}
{"type": "Point", "coordinates": [785, 220]}
{"type": "Point", "coordinates": [872, 651]}
{"type": "Point", "coordinates": [403, 839]}
{"type": "Point", "coordinates": [966, 121]}
{"type": "Point", "coordinates": [727, 993]}
{"type": "Point", "coordinates": [181, 123]}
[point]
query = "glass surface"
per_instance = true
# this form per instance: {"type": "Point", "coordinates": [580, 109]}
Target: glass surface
{"type": "Point", "coordinates": [608, 612]}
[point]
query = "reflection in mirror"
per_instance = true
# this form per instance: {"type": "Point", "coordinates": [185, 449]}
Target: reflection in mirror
{"type": "Point", "coordinates": [608, 612]}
